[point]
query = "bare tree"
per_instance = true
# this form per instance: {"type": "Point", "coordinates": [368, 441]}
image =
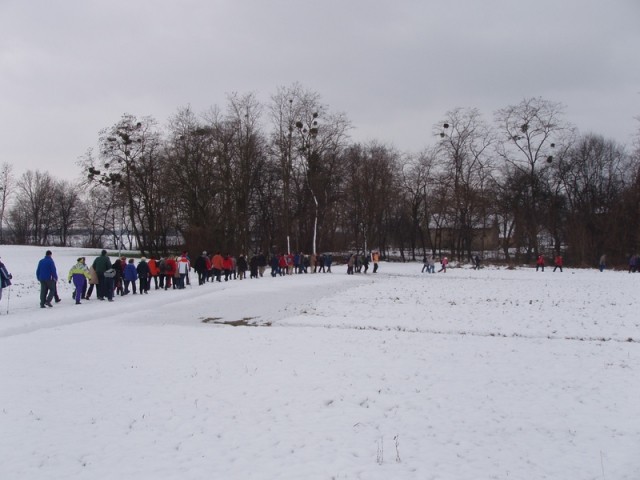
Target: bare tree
{"type": "Point", "coordinates": [194, 183]}
{"type": "Point", "coordinates": [66, 204]}
{"type": "Point", "coordinates": [31, 218]}
{"type": "Point", "coordinates": [308, 141]}
{"type": "Point", "coordinates": [130, 158]}
{"type": "Point", "coordinates": [7, 182]}
{"type": "Point", "coordinates": [249, 156]}
{"type": "Point", "coordinates": [94, 212]}
{"type": "Point", "coordinates": [594, 175]}
{"type": "Point", "coordinates": [530, 133]}
{"type": "Point", "coordinates": [370, 189]}
{"type": "Point", "coordinates": [465, 159]}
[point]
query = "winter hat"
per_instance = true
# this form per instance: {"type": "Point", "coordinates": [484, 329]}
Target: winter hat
{"type": "Point", "coordinates": [143, 259]}
{"type": "Point", "coordinates": [48, 252]}
{"type": "Point", "coordinates": [104, 252]}
{"type": "Point", "coordinates": [204, 253]}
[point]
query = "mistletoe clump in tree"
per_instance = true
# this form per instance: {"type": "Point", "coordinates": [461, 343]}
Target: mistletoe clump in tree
{"type": "Point", "coordinates": [130, 160]}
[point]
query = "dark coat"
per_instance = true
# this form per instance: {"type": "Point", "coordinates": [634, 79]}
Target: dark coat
{"type": "Point", "coordinates": [5, 276]}
{"type": "Point", "coordinates": [143, 269]}
{"type": "Point", "coordinates": [101, 264]}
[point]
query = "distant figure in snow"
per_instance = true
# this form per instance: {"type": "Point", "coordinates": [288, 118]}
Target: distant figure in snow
{"type": "Point", "coordinates": [603, 262]}
{"type": "Point", "coordinates": [558, 263]}
{"type": "Point", "coordinates": [375, 258]}
{"type": "Point", "coordinates": [5, 278]}
{"type": "Point", "coordinates": [540, 262]}
{"type": "Point", "coordinates": [443, 265]}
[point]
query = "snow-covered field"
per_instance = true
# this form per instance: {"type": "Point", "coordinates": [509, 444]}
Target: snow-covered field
{"type": "Point", "coordinates": [465, 375]}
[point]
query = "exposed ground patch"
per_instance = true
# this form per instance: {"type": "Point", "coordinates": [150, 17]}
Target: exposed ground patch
{"type": "Point", "coordinates": [243, 322]}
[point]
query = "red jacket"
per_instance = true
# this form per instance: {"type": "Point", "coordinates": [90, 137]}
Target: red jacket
{"type": "Point", "coordinates": [153, 267]}
{"type": "Point", "coordinates": [217, 262]}
{"type": "Point", "coordinates": [171, 266]}
{"type": "Point", "coordinates": [227, 263]}
{"type": "Point", "coordinates": [559, 261]}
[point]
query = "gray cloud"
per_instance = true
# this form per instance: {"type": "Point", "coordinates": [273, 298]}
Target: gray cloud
{"type": "Point", "coordinates": [72, 67]}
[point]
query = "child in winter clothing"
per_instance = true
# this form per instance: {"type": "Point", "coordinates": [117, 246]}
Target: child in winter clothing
{"type": "Point", "coordinates": [80, 275]}
{"type": "Point", "coordinates": [130, 277]}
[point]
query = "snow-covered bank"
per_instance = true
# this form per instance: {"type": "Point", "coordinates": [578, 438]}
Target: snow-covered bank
{"type": "Point", "coordinates": [463, 375]}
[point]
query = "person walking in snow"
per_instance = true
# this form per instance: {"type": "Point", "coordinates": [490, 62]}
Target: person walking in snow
{"type": "Point", "coordinates": [101, 264]}
{"type": "Point", "coordinates": [130, 276]}
{"type": "Point", "coordinates": [253, 266]}
{"type": "Point", "coordinates": [170, 271]}
{"type": "Point", "coordinates": [558, 263]}
{"type": "Point", "coordinates": [227, 266]}
{"type": "Point", "coordinates": [242, 267]}
{"type": "Point", "coordinates": [143, 275]}
{"type": "Point", "coordinates": [118, 279]}
{"type": "Point", "coordinates": [154, 272]}
{"type": "Point", "coordinates": [540, 262]}
{"type": "Point", "coordinates": [375, 258]}
{"type": "Point", "coordinates": [217, 266]}
{"type": "Point", "coordinates": [443, 265]}
{"type": "Point", "coordinates": [262, 263]}
{"type": "Point", "coordinates": [603, 263]}
{"type": "Point", "coordinates": [93, 281]}
{"type": "Point", "coordinates": [5, 278]}
{"type": "Point", "coordinates": [47, 276]}
{"type": "Point", "coordinates": [80, 275]}
{"type": "Point", "coordinates": [183, 270]}
{"type": "Point", "coordinates": [200, 266]}
{"type": "Point", "coordinates": [350, 262]}
{"type": "Point", "coordinates": [365, 262]}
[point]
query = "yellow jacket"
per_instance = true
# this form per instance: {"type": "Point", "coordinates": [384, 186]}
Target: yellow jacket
{"type": "Point", "coordinates": [81, 269]}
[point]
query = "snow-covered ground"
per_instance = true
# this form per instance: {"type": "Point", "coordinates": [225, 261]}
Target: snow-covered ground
{"type": "Point", "coordinates": [505, 374]}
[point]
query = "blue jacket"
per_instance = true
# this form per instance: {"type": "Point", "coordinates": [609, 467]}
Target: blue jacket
{"type": "Point", "coordinates": [130, 272]}
{"type": "Point", "coordinates": [46, 269]}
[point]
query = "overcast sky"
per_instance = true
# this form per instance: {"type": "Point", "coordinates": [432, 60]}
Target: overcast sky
{"type": "Point", "coordinates": [69, 68]}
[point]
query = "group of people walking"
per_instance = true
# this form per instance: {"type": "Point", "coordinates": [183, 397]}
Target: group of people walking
{"type": "Point", "coordinates": [294, 263]}
{"type": "Point", "coordinates": [109, 279]}
{"type": "Point", "coordinates": [121, 277]}
{"type": "Point", "coordinates": [359, 262]}
{"type": "Point", "coordinates": [212, 267]}
{"type": "Point", "coordinates": [125, 276]}
{"type": "Point", "coordinates": [429, 264]}
{"type": "Point", "coordinates": [558, 262]}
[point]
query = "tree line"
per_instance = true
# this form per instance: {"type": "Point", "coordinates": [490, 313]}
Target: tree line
{"type": "Point", "coordinates": [285, 175]}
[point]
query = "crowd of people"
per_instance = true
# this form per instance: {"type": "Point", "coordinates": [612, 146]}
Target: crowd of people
{"type": "Point", "coordinates": [122, 277]}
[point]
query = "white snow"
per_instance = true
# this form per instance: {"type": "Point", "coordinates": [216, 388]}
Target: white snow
{"type": "Point", "coordinates": [505, 374]}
